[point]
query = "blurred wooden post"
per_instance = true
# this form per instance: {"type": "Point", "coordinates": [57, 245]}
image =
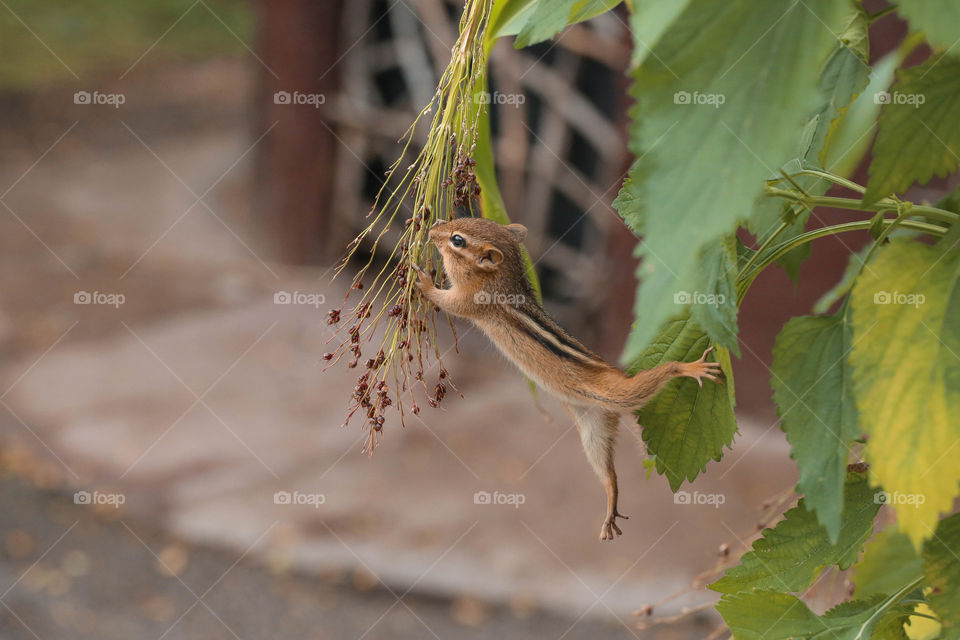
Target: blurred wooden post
{"type": "Point", "coordinates": [300, 48]}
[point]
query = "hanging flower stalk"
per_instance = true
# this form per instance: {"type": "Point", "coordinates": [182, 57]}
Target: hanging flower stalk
{"type": "Point", "coordinates": [439, 180]}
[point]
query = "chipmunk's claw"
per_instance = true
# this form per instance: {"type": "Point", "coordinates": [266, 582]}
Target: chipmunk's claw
{"type": "Point", "coordinates": [609, 529]}
{"type": "Point", "coordinates": [700, 369]}
{"type": "Point", "coordinates": [424, 281]}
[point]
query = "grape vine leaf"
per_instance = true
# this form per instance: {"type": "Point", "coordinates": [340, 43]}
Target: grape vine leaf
{"type": "Point", "coordinates": [918, 136]}
{"type": "Point", "coordinates": [906, 375]}
{"type": "Point", "coordinates": [939, 19]}
{"type": "Point", "coordinates": [941, 565]}
{"type": "Point", "coordinates": [768, 615]}
{"type": "Point", "coordinates": [813, 391]}
{"type": "Point", "coordinates": [889, 562]}
{"type": "Point", "coordinates": [685, 425]}
{"type": "Point", "coordinates": [790, 555]}
{"type": "Point", "coordinates": [709, 133]}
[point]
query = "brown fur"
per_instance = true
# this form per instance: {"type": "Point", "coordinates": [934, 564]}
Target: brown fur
{"type": "Point", "coordinates": [489, 286]}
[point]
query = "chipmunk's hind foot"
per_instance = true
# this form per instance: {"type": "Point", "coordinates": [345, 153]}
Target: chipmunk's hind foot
{"type": "Point", "coordinates": [609, 530]}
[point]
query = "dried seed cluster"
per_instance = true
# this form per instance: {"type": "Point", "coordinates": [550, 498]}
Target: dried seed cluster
{"type": "Point", "coordinates": [392, 320]}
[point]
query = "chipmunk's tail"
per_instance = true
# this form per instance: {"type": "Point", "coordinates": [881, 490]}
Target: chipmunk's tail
{"type": "Point", "coordinates": [629, 393]}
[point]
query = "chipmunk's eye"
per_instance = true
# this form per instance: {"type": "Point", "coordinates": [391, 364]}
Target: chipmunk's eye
{"type": "Point", "coordinates": [458, 241]}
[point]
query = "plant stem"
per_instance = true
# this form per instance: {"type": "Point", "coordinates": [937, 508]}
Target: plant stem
{"type": "Point", "coordinates": [885, 204]}
{"type": "Point", "coordinates": [785, 247]}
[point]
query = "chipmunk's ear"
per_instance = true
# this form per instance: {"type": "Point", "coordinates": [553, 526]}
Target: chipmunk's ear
{"type": "Point", "coordinates": [489, 257]}
{"type": "Point", "coordinates": [518, 230]}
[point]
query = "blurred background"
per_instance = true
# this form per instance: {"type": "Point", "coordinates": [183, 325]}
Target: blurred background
{"type": "Point", "coordinates": [172, 457]}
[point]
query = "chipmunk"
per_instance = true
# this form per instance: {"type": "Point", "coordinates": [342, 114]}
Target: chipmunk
{"type": "Point", "coordinates": [488, 286]}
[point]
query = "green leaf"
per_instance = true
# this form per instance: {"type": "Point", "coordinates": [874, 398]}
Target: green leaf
{"type": "Point", "coordinates": [889, 562]}
{"type": "Point", "coordinates": [685, 425]}
{"type": "Point", "coordinates": [906, 376]}
{"type": "Point", "coordinates": [919, 137]}
{"type": "Point", "coordinates": [767, 615]}
{"type": "Point", "coordinates": [714, 298]}
{"type": "Point", "coordinates": [849, 137]}
{"type": "Point", "coordinates": [941, 566]}
{"type": "Point", "coordinates": [845, 75]}
{"type": "Point", "coordinates": [789, 556]}
{"type": "Point", "coordinates": [813, 390]}
{"type": "Point", "coordinates": [649, 20]}
{"type": "Point", "coordinates": [840, 289]}
{"type": "Point", "coordinates": [546, 18]}
{"type": "Point", "coordinates": [939, 19]}
{"type": "Point", "coordinates": [706, 161]}
{"type": "Point", "coordinates": [586, 9]}
{"type": "Point", "coordinates": [627, 203]}
{"type": "Point", "coordinates": [769, 212]}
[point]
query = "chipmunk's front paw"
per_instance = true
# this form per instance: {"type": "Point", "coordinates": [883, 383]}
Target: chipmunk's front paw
{"type": "Point", "coordinates": [609, 530]}
{"type": "Point", "coordinates": [700, 369]}
{"type": "Point", "coordinates": [424, 281]}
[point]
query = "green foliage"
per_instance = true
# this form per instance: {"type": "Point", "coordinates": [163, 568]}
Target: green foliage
{"type": "Point", "coordinates": [705, 161]}
{"type": "Point", "coordinates": [889, 562]}
{"type": "Point", "coordinates": [685, 425]}
{"type": "Point", "coordinates": [939, 19]}
{"type": "Point", "coordinates": [534, 21]}
{"type": "Point", "coordinates": [845, 75]}
{"type": "Point", "coordinates": [789, 556]}
{"type": "Point", "coordinates": [907, 377]}
{"type": "Point", "coordinates": [715, 305]}
{"type": "Point", "coordinates": [100, 36]}
{"type": "Point", "coordinates": [941, 566]}
{"type": "Point", "coordinates": [768, 615]}
{"type": "Point", "coordinates": [813, 389]}
{"type": "Point", "coordinates": [747, 112]}
{"type": "Point", "coordinates": [649, 21]}
{"type": "Point", "coordinates": [918, 136]}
